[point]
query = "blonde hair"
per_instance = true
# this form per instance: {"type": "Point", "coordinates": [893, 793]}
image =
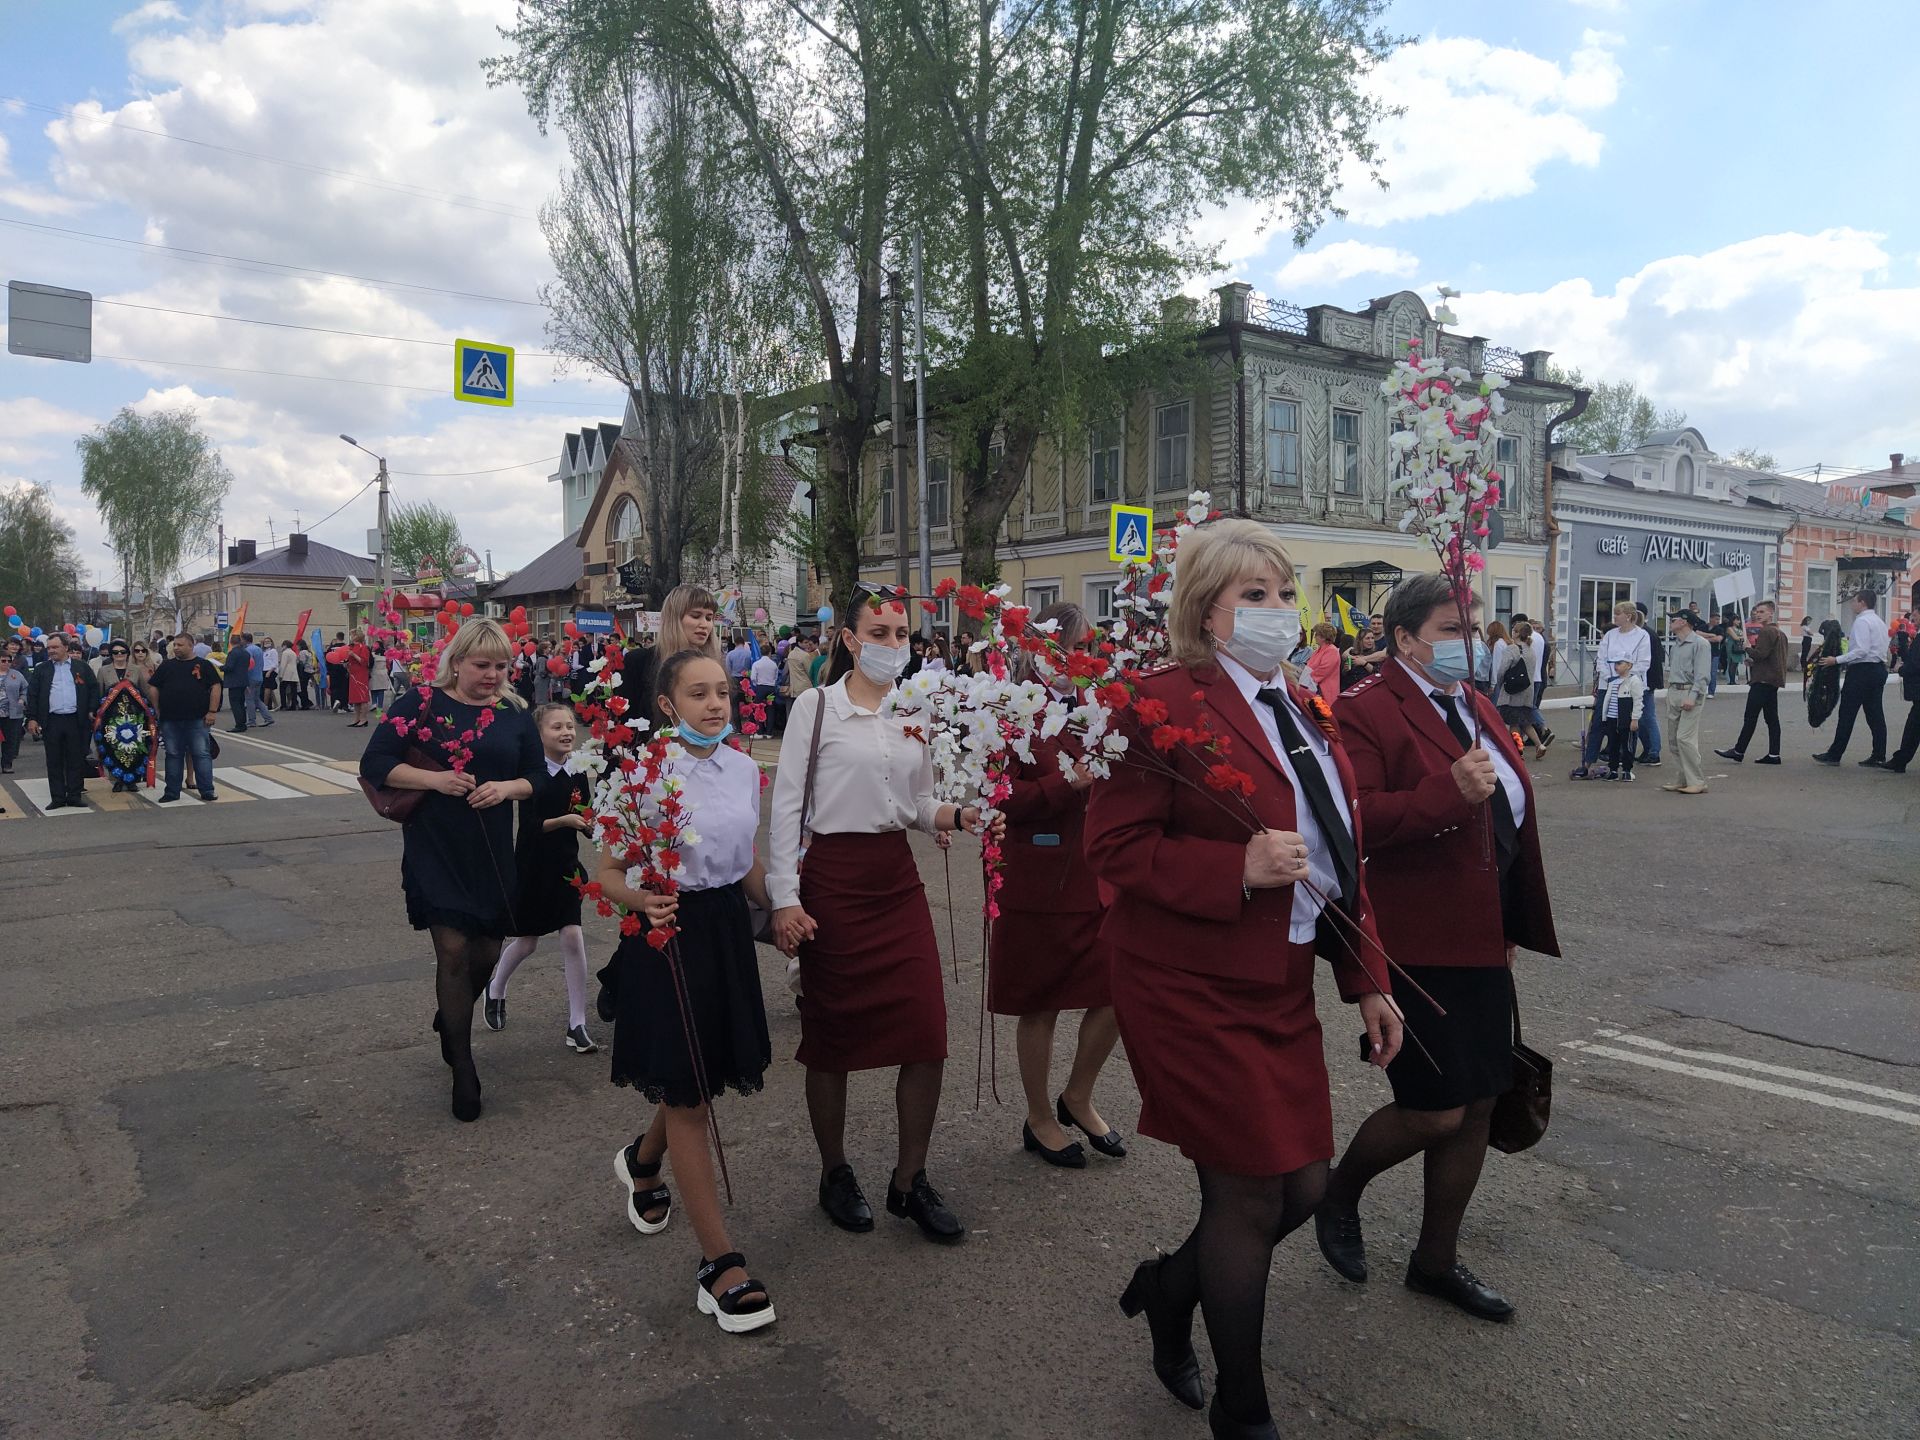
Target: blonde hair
{"type": "Point", "coordinates": [476, 637]}
{"type": "Point", "coordinates": [673, 611]}
{"type": "Point", "coordinates": [1210, 559]}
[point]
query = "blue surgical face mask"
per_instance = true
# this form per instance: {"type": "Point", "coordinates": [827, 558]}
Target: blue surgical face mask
{"type": "Point", "coordinates": [690, 736]}
{"type": "Point", "coordinates": [1450, 663]}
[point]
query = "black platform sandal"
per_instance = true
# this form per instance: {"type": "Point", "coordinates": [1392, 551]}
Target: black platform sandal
{"type": "Point", "coordinates": [639, 1202]}
{"type": "Point", "coordinates": [738, 1308]}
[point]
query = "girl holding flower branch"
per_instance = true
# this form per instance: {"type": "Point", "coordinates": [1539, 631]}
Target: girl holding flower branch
{"type": "Point", "coordinates": [690, 1021]}
{"type": "Point", "coordinates": [1225, 857]}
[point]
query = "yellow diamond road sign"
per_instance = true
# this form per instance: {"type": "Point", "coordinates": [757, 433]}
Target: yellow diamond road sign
{"type": "Point", "coordinates": [482, 373]}
{"type": "Point", "coordinates": [1130, 534]}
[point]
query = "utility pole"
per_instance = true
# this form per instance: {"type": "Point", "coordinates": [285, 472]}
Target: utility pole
{"type": "Point", "coordinates": [489, 567]}
{"type": "Point", "coordinates": [902, 572]}
{"type": "Point", "coordinates": [386, 545]}
{"type": "Point", "coordinates": [920, 429]}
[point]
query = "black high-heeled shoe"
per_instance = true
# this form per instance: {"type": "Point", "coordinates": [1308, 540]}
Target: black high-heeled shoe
{"type": "Point", "coordinates": [1225, 1427]}
{"type": "Point", "coordinates": [1068, 1157]}
{"type": "Point", "coordinates": [1177, 1369]}
{"type": "Point", "coordinates": [1109, 1144]}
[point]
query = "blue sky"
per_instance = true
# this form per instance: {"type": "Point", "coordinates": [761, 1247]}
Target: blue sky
{"type": "Point", "coordinates": [1704, 197]}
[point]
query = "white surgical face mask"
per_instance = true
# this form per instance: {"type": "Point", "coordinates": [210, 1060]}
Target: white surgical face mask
{"type": "Point", "coordinates": [1263, 638]}
{"type": "Point", "coordinates": [882, 664]}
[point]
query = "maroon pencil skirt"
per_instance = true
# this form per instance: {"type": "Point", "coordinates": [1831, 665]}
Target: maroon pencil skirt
{"type": "Point", "coordinates": [1048, 960]}
{"type": "Point", "coordinates": [870, 988]}
{"type": "Point", "coordinates": [1230, 1070]}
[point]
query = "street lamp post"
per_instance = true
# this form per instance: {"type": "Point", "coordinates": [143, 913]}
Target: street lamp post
{"type": "Point", "coordinates": [386, 569]}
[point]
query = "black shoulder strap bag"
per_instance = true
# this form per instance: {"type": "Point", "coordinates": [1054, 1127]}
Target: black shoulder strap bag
{"type": "Point", "coordinates": [1520, 1116]}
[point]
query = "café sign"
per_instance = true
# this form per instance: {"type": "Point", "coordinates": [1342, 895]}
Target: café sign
{"type": "Point", "coordinates": [1675, 549]}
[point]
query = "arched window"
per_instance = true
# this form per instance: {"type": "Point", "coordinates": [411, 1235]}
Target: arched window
{"type": "Point", "coordinates": [624, 524]}
{"type": "Point", "coordinates": [1683, 475]}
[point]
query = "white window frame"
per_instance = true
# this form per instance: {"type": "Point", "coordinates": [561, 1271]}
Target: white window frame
{"type": "Point", "coordinates": [1831, 574]}
{"type": "Point", "coordinates": [1512, 593]}
{"type": "Point", "coordinates": [1115, 434]}
{"type": "Point", "coordinates": [1270, 432]}
{"type": "Point", "coordinates": [1090, 586]}
{"type": "Point", "coordinates": [939, 484]}
{"type": "Point", "coordinates": [1165, 482]}
{"type": "Point", "coordinates": [1508, 468]}
{"type": "Point", "coordinates": [1342, 456]}
{"type": "Point", "coordinates": [1599, 619]}
{"type": "Point", "coordinates": [1036, 595]}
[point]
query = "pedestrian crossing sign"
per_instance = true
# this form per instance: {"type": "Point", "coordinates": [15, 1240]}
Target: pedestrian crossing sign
{"type": "Point", "coordinates": [482, 373]}
{"type": "Point", "coordinates": [1130, 534]}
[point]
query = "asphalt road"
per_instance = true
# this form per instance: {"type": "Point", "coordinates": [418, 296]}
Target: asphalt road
{"type": "Point", "coordinates": [233, 1203]}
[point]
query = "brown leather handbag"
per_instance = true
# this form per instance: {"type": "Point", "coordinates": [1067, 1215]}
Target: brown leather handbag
{"type": "Point", "coordinates": [392, 803]}
{"type": "Point", "coordinates": [1520, 1116]}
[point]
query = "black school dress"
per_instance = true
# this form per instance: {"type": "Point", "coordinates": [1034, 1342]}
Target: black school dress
{"type": "Point", "coordinates": [546, 861]}
{"type": "Point", "coordinates": [712, 1008]}
{"type": "Point", "coordinates": [457, 867]}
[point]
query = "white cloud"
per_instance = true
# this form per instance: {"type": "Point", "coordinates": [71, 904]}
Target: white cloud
{"type": "Point", "coordinates": [1313, 271]}
{"type": "Point", "coordinates": [1481, 121]}
{"type": "Point", "coordinates": [389, 90]}
{"type": "Point", "coordinates": [154, 12]}
{"type": "Point", "coordinates": [1791, 342]}
{"type": "Point", "coordinates": [34, 199]}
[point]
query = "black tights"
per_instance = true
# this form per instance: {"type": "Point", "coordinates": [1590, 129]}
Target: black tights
{"type": "Point", "coordinates": [1223, 1266]}
{"type": "Point", "coordinates": [463, 964]}
{"type": "Point", "coordinates": [1455, 1146]}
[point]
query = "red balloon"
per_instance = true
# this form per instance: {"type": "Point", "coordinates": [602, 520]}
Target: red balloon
{"type": "Point", "coordinates": [449, 607]}
{"type": "Point", "coordinates": [571, 630]}
{"type": "Point", "coordinates": [557, 666]}
{"type": "Point", "coordinates": [466, 607]}
{"type": "Point", "coordinates": [519, 612]}
{"type": "Point", "coordinates": [11, 611]}
{"type": "Point", "coordinates": [68, 627]}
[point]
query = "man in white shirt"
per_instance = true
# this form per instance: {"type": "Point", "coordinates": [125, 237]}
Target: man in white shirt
{"type": "Point", "coordinates": [765, 676]}
{"type": "Point", "coordinates": [1863, 682]}
{"type": "Point", "coordinates": [1628, 640]}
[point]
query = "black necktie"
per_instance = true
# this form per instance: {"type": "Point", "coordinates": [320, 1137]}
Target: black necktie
{"type": "Point", "coordinates": [1506, 834]}
{"type": "Point", "coordinates": [1313, 785]}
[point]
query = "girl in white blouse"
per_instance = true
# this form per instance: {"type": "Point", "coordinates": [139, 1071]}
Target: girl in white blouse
{"type": "Point", "coordinates": [712, 1010]}
{"type": "Point", "coordinates": [855, 911]}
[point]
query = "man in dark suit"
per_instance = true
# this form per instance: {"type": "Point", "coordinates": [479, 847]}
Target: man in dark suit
{"type": "Point", "coordinates": [61, 698]}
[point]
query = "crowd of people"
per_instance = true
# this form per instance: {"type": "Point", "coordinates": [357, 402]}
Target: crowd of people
{"type": "Point", "coordinates": [1843, 668]}
{"type": "Point", "coordinates": [1160, 917]}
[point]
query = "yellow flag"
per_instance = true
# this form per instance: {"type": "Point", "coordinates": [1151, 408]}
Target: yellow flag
{"type": "Point", "coordinates": [1346, 616]}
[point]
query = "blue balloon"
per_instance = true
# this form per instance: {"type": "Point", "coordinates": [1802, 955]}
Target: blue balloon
{"type": "Point", "coordinates": [824, 615]}
{"type": "Point", "coordinates": [35, 632]}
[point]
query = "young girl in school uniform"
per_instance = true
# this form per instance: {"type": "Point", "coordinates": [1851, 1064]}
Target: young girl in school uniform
{"type": "Point", "coordinates": [870, 987]}
{"type": "Point", "coordinates": [546, 859]}
{"type": "Point", "coordinates": [721, 1003]}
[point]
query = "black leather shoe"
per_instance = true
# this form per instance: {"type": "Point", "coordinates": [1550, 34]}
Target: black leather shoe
{"type": "Point", "coordinates": [921, 1203]}
{"type": "Point", "coordinates": [844, 1202]}
{"type": "Point", "coordinates": [1337, 1228]}
{"type": "Point", "coordinates": [496, 1013]}
{"type": "Point", "coordinates": [1873, 763]}
{"type": "Point", "coordinates": [1109, 1144]}
{"type": "Point", "coordinates": [1826, 759]}
{"type": "Point", "coordinates": [1898, 767]}
{"type": "Point", "coordinates": [1768, 760]}
{"type": "Point", "coordinates": [1173, 1360]}
{"type": "Point", "coordinates": [1734, 755]}
{"type": "Point", "coordinates": [1225, 1427]}
{"type": "Point", "coordinates": [1068, 1157]}
{"type": "Point", "coordinates": [1460, 1286]}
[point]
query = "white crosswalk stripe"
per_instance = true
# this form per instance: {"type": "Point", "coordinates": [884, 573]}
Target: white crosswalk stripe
{"type": "Point", "coordinates": [259, 785]}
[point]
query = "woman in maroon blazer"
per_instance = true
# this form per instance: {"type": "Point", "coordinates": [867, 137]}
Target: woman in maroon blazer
{"type": "Point", "coordinates": [1451, 834]}
{"type": "Point", "coordinates": [1214, 929]}
{"type": "Point", "coordinates": [1047, 952]}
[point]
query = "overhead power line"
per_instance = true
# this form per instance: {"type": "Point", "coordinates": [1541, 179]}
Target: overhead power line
{"type": "Point", "coordinates": [464, 474]}
{"type": "Point", "coordinates": [400, 187]}
{"type": "Point", "coordinates": [311, 329]}
{"type": "Point", "coordinates": [209, 257]}
{"type": "Point", "coordinates": [328, 379]}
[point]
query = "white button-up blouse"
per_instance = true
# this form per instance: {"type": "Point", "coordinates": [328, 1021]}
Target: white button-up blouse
{"type": "Point", "coordinates": [871, 776]}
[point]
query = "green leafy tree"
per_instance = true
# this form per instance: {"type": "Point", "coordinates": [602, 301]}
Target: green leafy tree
{"type": "Point", "coordinates": [157, 481]}
{"type": "Point", "coordinates": [417, 529]}
{"type": "Point", "coordinates": [39, 563]}
{"type": "Point", "coordinates": [1087, 139]}
{"type": "Point", "coordinates": [1618, 416]}
{"type": "Point", "coordinates": [1750, 457]}
{"type": "Point", "coordinates": [814, 103]}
